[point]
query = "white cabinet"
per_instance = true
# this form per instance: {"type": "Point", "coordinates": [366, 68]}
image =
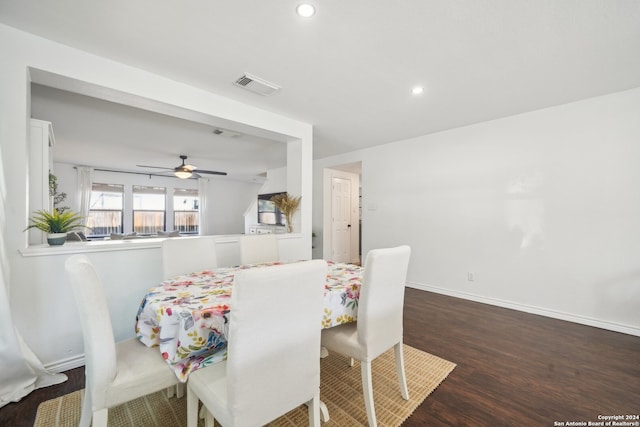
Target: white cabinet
{"type": "Point", "coordinates": [40, 163]}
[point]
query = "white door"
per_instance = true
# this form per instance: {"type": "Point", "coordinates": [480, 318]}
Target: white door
{"type": "Point", "coordinates": [341, 219]}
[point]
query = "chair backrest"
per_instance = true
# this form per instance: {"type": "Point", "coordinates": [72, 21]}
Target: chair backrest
{"type": "Point", "coordinates": [258, 248]}
{"type": "Point", "coordinates": [381, 299]}
{"type": "Point", "coordinates": [97, 332]}
{"type": "Point", "coordinates": [273, 362]}
{"type": "Point", "coordinates": [184, 255]}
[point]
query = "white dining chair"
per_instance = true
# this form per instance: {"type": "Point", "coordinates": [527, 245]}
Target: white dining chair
{"type": "Point", "coordinates": [184, 255]}
{"type": "Point", "coordinates": [379, 324]}
{"type": "Point", "coordinates": [257, 248]}
{"type": "Point", "coordinates": [273, 358]}
{"type": "Point", "coordinates": [115, 372]}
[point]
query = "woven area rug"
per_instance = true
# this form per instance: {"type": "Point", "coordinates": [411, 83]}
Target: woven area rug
{"type": "Point", "coordinates": [340, 390]}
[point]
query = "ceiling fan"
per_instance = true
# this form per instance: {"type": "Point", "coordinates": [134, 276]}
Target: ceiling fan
{"type": "Point", "coordinates": [184, 171]}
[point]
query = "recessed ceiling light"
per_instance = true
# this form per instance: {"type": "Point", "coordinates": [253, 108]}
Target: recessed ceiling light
{"type": "Point", "coordinates": [417, 90]}
{"type": "Point", "coordinates": [305, 10]}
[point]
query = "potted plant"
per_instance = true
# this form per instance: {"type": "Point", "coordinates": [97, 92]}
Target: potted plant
{"type": "Point", "coordinates": [288, 205]}
{"type": "Point", "coordinates": [56, 224]}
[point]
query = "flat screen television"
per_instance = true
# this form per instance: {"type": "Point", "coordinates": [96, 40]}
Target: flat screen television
{"type": "Point", "coordinates": [268, 214]}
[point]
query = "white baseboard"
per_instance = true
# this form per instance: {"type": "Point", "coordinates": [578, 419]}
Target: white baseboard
{"type": "Point", "coordinates": [65, 364]}
{"type": "Point", "coordinates": [611, 326]}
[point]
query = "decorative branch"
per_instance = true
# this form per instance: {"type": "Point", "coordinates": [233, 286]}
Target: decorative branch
{"type": "Point", "coordinates": [58, 198]}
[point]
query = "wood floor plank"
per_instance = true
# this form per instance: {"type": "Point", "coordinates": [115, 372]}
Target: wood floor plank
{"type": "Point", "coordinates": [514, 368]}
{"type": "Point", "coordinates": [517, 368]}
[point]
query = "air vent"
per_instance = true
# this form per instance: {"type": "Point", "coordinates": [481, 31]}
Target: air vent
{"type": "Point", "coordinates": [225, 132]}
{"type": "Point", "coordinates": [256, 85]}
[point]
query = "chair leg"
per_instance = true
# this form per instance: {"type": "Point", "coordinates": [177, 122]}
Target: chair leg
{"type": "Point", "coordinates": [402, 379]}
{"type": "Point", "coordinates": [179, 390]}
{"type": "Point", "coordinates": [85, 417]}
{"type": "Point", "coordinates": [324, 412]}
{"type": "Point", "coordinates": [192, 408]}
{"type": "Point", "coordinates": [323, 352]}
{"type": "Point", "coordinates": [100, 418]}
{"type": "Point", "coordinates": [208, 419]}
{"type": "Point", "coordinates": [314, 411]}
{"type": "Point", "coordinates": [351, 362]}
{"type": "Point", "coordinates": [367, 392]}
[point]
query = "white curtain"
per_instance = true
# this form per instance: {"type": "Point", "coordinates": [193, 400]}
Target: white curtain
{"type": "Point", "coordinates": [85, 183]}
{"type": "Point", "coordinates": [203, 186]}
{"type": "Point", "coordinates": [20, 370]}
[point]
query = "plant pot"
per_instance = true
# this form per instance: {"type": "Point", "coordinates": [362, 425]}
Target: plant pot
{"type": "Point", "coordinates": [56, 239]}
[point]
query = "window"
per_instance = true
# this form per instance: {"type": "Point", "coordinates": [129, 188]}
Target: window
{"type": "Point", "coordinates": [185, 211]}
{"type": "Point", "coordinates": [148, 209]}
{"type": "Point", "coordinates": [105, 209]}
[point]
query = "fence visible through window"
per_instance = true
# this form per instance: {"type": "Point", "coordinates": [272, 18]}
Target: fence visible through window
{"type": "Point", "coordinates": [186, 215]}
{"type": "Point", "coordinates": [106, 214]}
{"type": "Point", "coordinates": [103, 223]}
{"type": "Point", "coordinates": [148, 209]}
{"type": "Point", "coordinates": [105, 210]}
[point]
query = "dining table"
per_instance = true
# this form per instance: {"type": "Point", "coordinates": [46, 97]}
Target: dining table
{"type": "Point", "coordinates": [187, 316]}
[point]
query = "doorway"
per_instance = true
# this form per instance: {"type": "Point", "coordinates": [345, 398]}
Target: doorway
{"type": "Point", "coordinates": [341, 214]}
{"type": "Point", "coordinates": [341, 219]}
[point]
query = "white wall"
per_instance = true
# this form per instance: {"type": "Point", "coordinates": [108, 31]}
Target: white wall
{"type": "Point", "coordinates": [543, 208]}
{"type": "Point", "coordinates": [39, 296]}
{"type": "Point", "coordinates": [228, 200]}
{"type": "Point", "coordinates": [44, 309]}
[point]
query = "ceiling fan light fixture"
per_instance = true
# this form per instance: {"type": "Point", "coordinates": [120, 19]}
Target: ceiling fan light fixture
{"type": "Point", "coordinates": [183, 173]}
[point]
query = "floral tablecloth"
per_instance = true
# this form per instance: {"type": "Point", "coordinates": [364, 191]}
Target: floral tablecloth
{"type": "Point", "coordinates": [187, 316]}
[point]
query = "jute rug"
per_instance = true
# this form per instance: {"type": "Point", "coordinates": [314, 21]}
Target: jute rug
{"type": "Point", "coordinates": [341, 391]}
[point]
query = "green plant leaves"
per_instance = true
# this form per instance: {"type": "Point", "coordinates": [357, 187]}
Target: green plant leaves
{"type": "Point", "coordinates": [56, 222]}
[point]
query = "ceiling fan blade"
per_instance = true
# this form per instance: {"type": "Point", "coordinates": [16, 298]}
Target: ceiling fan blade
{"type": "Point", "coordinates": [211, 172]}
{"type": "Point", "coordinates": [186, 168]}
{"type": "Point", "coordinates": [154, 167]}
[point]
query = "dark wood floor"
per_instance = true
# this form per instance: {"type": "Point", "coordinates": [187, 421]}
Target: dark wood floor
{"type": "Point", "coordinates": [514, 368]}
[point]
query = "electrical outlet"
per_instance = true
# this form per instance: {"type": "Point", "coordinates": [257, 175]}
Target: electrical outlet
{"type": "Point", "coordinates": [471, 276]}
